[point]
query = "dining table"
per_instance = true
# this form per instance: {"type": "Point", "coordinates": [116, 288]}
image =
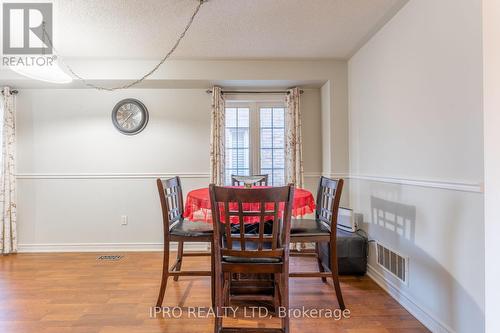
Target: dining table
{"type": "Point", "coordinates": [198, 208]}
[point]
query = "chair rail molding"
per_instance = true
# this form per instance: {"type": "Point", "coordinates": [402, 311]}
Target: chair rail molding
{"type": "Point", "coordinates": [118, 175]}
{"type": "Point", "coordinates": [440, 184]}
{"type": "Point", "coordinates": [477, 187]}
{"type": "Point", "coordinates": [111, 175]}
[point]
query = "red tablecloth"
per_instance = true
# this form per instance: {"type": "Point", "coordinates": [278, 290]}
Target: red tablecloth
{"type": "Point", "coordinates": [197, 206]}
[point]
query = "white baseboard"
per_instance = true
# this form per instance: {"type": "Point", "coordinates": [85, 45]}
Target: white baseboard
{"type": "Point", "coordinates": [428, 320]}
{"type": "Point", "coordinates": [107, 247]}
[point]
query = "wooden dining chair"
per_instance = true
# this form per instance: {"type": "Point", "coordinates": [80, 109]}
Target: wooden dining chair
{"type": "Point", "coordinates": [322, 229]}
{"type": "Point", "coordinates": [262, 182]}
{"type": "Point", "coordinates": [177, 229]}
{"type": "Point", "coordinates": [251, 253]}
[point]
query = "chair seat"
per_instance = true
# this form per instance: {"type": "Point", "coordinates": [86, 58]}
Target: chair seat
{"type": "Point", "coordinates": [241, 260]}
{"type": "Point", "coordinates": [308, 227]}
{"type": "Point", "coordinates": [187, 228]}
{"type": "Point", "coordinates": [250, 246]}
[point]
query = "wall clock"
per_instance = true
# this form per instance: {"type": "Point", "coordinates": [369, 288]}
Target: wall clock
{"type": "Point", "coordinates": [130, 116]}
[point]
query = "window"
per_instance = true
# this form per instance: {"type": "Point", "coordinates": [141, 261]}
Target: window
{"type": "Point", "coordinates": [272, 144]}
{"type": "Point", "coordinates": [237, 142]}
{"type": "Point", "coordinates": [255, 140]}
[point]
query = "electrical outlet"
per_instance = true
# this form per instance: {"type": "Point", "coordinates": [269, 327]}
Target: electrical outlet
{"type": "Point", "coordinates": [124, 219]}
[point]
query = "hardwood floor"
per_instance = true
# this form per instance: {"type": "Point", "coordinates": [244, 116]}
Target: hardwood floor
{"type": "Point", "coordinates": [73, 292]}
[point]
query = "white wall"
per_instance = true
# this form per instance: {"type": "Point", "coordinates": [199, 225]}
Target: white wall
{"type": "Point", "coordinates": [77, 175]}
{"type": "Point", "coordinates": [330, 74]}
{"type": "Point", "coordinates": [491, 56]}
{"type": "Point", "coordinates": [415, 107]}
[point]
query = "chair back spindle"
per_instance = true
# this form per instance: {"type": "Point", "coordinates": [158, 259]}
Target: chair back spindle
{"type": "Point", "coordinates": [170, 192]}
{"type": "Point", "coordinates": [242, 206]}
{"type": "Point", "coordinates": [328, 201]}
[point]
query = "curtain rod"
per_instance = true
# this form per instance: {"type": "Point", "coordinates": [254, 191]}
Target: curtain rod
{"type": "Point", "coordinates": [209, 91]}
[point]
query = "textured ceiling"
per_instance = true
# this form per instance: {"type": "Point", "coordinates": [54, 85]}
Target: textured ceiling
{"type": "Point", "coordinates": [224, 28]}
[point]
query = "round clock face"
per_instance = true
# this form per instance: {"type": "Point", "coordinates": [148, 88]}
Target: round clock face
{"type": "Point", "coordinates": [130, 116]}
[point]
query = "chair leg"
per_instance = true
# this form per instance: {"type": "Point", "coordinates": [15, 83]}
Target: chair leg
{"type": "Point", "coordinates": [218, 277]}
{"type": "Point", "coordinates": [335, 274]}
{"type": "Point", "coordinates": [180, 252]}
{"type": "Point", "coordinates": [320, 265]}
{"type": "Point", "coordinates": [212, 278]}
{"type": "Point", "coordinates": [285, 321]}
{"type": "Point", "coordinates": [164, 275]}
{"type": "Point", "coordinates": [226, 288]}
{"type": "Point", "coordinates": [277, 295]}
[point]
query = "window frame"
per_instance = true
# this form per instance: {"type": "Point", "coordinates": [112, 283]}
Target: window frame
{"type": "Point", "coordinates": [254, 106]}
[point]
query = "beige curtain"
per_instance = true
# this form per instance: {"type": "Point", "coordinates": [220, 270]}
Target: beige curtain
{"type": "Point", "coordinates": [293, 139]}
{"type": "Point", "coordinates": [217, 138]}
{"type": "Point", "coordinates": [8, 232]}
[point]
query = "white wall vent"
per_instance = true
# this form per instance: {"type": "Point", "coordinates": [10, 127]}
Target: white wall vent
{"type": "Point", "coordinates": [393, 262]}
